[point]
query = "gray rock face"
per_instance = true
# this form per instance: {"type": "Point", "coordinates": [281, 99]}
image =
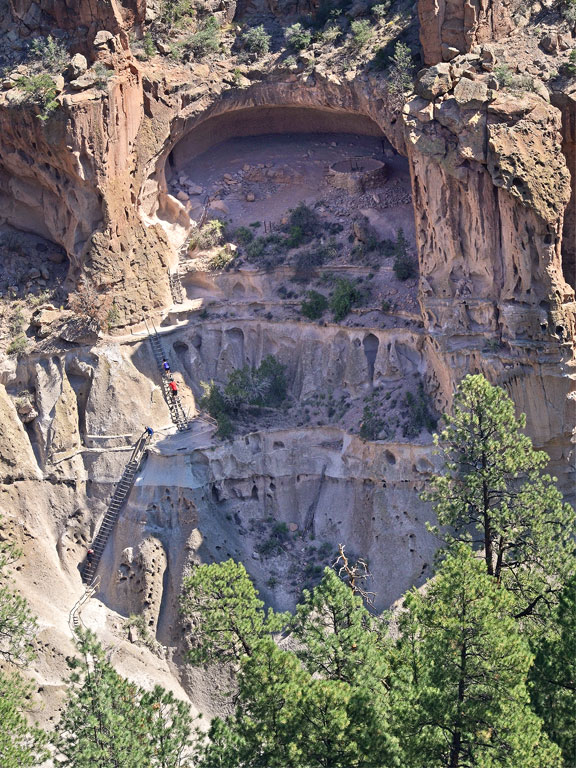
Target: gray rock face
{"type": "Point", "coordinates": [435, 81]}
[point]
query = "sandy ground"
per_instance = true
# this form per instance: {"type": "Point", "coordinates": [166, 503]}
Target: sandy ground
{"type": "Point", "coordinates": [304, 161]}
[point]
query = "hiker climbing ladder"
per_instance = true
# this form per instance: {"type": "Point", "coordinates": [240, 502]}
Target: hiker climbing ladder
{"type": "Point", "coordinates": [172, 398]}
{"type": "Point", "coordinates": [119, 497]}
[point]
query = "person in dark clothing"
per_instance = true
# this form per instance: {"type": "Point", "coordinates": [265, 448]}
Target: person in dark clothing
{"type": "Point", "coordinates": [149, 431]}
{"type": "Point", "coordinates": [90, 556]}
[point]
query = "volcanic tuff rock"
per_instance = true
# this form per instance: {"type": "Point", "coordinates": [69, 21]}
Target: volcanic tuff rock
{"type": "Point", "coordinates": [493, 213]}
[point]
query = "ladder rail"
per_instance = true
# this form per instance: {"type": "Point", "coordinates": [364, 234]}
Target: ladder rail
{"type": "Point", "coordinates": [119, 496]}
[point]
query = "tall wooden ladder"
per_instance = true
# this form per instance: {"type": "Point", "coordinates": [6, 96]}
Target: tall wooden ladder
{"type": "Point", "coordinates": [121, 492]}
{"type": "Point", "coordinates": [176, 287]}
{"type": "Point", "coordinates": [177, 413]}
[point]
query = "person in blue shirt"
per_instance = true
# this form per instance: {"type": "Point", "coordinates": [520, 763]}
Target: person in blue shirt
{"type": "Point", "coordinates": [166, 366]}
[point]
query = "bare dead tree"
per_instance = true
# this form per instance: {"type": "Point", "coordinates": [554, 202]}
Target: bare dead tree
{"type": "Point", "coordinates": [355, 575]}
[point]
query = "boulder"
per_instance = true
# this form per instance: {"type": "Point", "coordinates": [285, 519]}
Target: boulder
{"type": "Point", "coordinates": [364, 232]}
{"type": "Point", "coordinates": [549, 43]}
{"type": "Point", "coordinates": [103, 39]}
{"type": "Point", "coordinates": [434, 81]}
{"type": "Point", "coordinates": [219, 205]}
{"type": "Point", "coordinates": [449, 52]}
{"type": "Point", "coordinates": [77, 67]}
{"type": "Point", "coordinates": [470, 94]}
{"type": "Point", "coordinates": [83, 82]}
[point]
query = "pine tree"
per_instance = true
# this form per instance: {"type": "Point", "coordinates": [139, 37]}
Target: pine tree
{"type": "Point", "coordinates": [553, 677]}
{"type": "Point", "coordinates": [223, 607]}
{"type": "Point", "coordinates": [460, 684]}
{"type": "Point", "coordinates": [339, 638]}
{"type": "Point", "coordinates": [493, 486]}
{"type": "Point", "coordinates": [168, 723]}
{"type": "Point", "coordinates": [109, 722]}
{"type": "Point", "coordinates": [21, 745]}
{"type": "Point", "coordinates": [17, 623]}
{"type": "Point", "coordinates": [324, 706]}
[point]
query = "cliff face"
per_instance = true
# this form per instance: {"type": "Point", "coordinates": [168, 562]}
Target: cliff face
{"type": "Point", "coordinates": [453, 27]}
{"type": "Point", "coordinates": [494, 215]}
{"type": "Point", "coordinates": [82, 19]}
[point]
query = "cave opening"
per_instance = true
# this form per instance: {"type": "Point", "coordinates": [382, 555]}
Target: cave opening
{"type": "Point", "coordinates": [251, 167]}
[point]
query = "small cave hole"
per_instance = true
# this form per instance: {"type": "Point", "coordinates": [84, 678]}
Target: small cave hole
{"type": "Point", "coordinates": [254, 494]}
{"type": "Point", "coordinates": [390, 458]}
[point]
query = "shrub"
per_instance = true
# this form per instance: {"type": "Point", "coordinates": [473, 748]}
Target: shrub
{"type": "Point", "coordinates": [256, 248]}
{"type": "Point", "coordinates": [385, 306]}
{"type": "Point", "coordinates": [175, 13]}
{"type": "Point", "coordinates": [401, 74]}
{"type": "Point", "coordinates": [314, 306]}
{"type": "Point", "coordinates": [101, 74]}
{"type": "Point", "coordinates": [361, 33]}
{"type": "Point", "coordinates": [89, 304]}
{"type": "Point", "coordinates": [329, 34]}
{"type": "Point", "coordinates": [207, 236]}
{"type": "Point", "coordinates": [298, 37]}
{"type": "Point", "coordinates": [371, 425]}
{"type": "Point", "coordinates": [381, 10]}
{"type": "Point", "coordinates": [570, 67]}
{"type": "Point", "coordinates": [256, 40]}
{"type": "Point", "coordinates": [17, 345]}
{"type": "Point", "coordinates": [206, 40]}
{"type": "Point", "coordinates": [40, 90]}
{"type": "Point", "coordinates": [148, 45]}
{"type": "Point", "coordinates": [568, 11]}
{"type": "Point", "coordinates": [225, 428]}
{"type": "Point", "coordinates": [243, 236]}
{"type": "Point", "coordinates": [221, 259]}
{"type": "Point", "coordinates": [404, 266]}
{"type": "Point", "coordinates": [48, 55]}
{"type": "Point", "coordinates": [419, 414]}
{"type": "Point", "coordinates": [16, 322]}
{"type": "Point", "coordinates": [113, 316]}
{"type": "Point", "coordinates": [503, 75]}
{"type": "Point", "coordinates": [262, 386]}
{"type": "Point", "coordinates": [303, 222]}
{"type": "Point", "coordinates": [345, 295]}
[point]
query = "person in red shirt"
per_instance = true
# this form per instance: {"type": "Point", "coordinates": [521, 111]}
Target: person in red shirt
{"type": "Point", "coordinates": [173, 386]}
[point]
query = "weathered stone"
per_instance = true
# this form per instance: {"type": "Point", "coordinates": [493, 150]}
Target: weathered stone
{"type": "Point", "coordinates": [87, 80]}
{"type": "Point", "coordinates": [103, 39]}
{"type": "Point", "coordinates": [549, 43]}
{"type": "Point", "coordinates": [434, 82]}
{"type": "Point", "coordinates": [219, 205]}
{"type": "Point", "coordinates": [77, 67]}
{"type": "Point", "coordinates": [470, 94]}
{"type": "Point", "coordinates": [449, 52]}
{"type": "Point", "coordinates": [420, 108]}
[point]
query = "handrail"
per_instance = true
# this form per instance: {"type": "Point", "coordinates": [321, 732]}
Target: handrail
{"type": "Point", "coordinates": [74, 618]}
